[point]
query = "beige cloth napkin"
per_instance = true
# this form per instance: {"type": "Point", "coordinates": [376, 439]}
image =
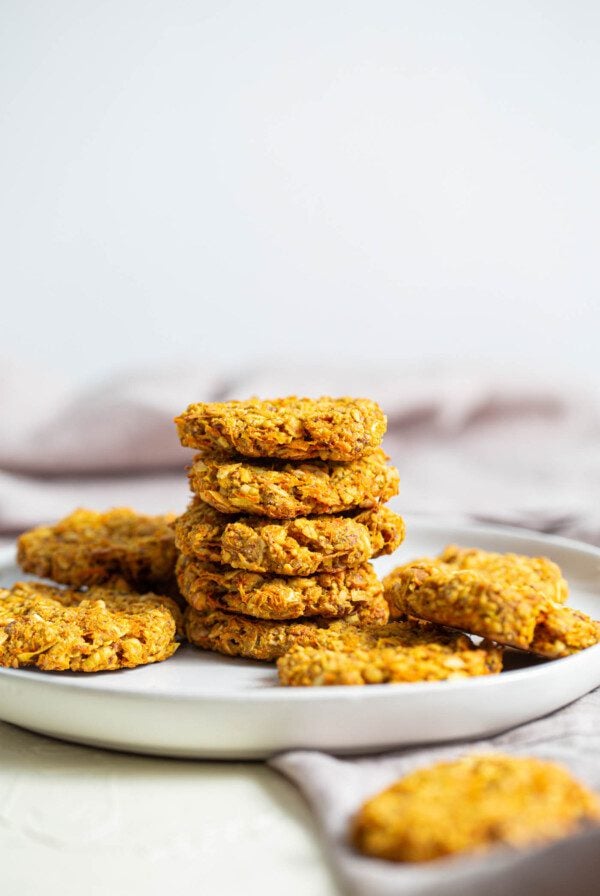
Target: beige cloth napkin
{"type": "Point", "coordinates": [335, 788]}
{"type": "Point", "coordinates": [468, 442]}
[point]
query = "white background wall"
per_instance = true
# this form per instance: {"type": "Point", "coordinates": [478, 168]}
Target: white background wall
{"type": "Point", "coordinates": [407, 179]}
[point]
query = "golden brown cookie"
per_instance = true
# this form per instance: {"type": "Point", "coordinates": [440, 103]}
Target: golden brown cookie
{"type": "Point", "coordinates": [58, 631]}
{"type": "Point", "coordinates": [291, 428]}
{"type": "Point", "coordinates": [472, 804]}
{"type": "Point", "coordinates": [491, 603]}
{"type": "Point", "coordinates": [398, 652]}
{"type": "Point", "coordinates": [21, 594]}
{"type": "Point", "coordinates": [283, 490]}
{"type": "Point", "coordinates": [561, 631]}
{"type": "Point", "coordinates": [267, 639]}
{"type": "Point", "coordinates": [297, 547]}
{"type": "Point", "coordinates": [539, 573]}
{"type": "Point", "coordinates": [207, 586]}
{"type": "Point", "coordinates": [91, 548]}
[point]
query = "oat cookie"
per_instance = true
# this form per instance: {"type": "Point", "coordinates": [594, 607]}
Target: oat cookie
{"type": "Point", "coordinates": [91, 548]}
{"type": "Point", "coordinates": [122, 599]}
{"type": "Point", "coordinates": [283, 490]}
{"type": "Point", "coordinates": [561, 631]}
{"type": "Point", "coordinates": [267, 639]}
{"type": "Point", "coordinates": [490, 604]}
{"type": "Point", "coordinates": [397, 652]}
{"type": "Point", "coordinates": [58, 631]}
{"type": "Point", "coordinates": [208, 586]}
{"type": "Point", "coordinates": [297, 547]}
{"type": "Point", "coordinates": [473, 804]}
{"type": "Point", "coordinates": [199, 531]}
{"type": "Point", "coordinates": [539, 573]}
{"type": "Point", "coordinates": [292, 428]}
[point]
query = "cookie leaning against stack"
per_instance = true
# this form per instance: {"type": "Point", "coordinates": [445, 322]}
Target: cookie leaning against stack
{"type": "Point", "coordinates": [511, 599]}
{"type": "Point", "coordinates": [287, 512]}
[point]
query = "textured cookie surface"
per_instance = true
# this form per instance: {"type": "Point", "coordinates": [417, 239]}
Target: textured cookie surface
{"type": "Point", "coordinates": [514, 570]}
{"type": "Point", "coordinates": [561, 631]}
{"type": "Point", "coordinates": [267, 639]}
{"type": "Point", "coordinates": [91, 548]}
{"type": "Point", "coordinates": [397, 652]}
{"type": "Point", "coordinates": [473, 803]}
{"type": "Point", "coordinates": [507, 600]}
{"type": "Point", "coordinates": [207, 586]}
{"type": "Point", "coordinates": [21, 594]}
{"type": "Point", "coordinates": [94, 631]}
{"type": "Point", "coordinates": [283, 490]}
{"type": "Point", "coordinates": [297, 547]}
{"type": "Point", "coordinates": [292, 428]}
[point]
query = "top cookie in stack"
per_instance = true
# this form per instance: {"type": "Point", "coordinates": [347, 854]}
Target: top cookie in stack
{"type": "Point", "coordinates": [288, 509]}
{"type": "Point", "coordinates": [289, 428]}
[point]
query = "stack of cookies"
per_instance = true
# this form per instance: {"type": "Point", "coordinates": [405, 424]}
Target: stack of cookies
{"type": "Point", "coordinates": [288, 509]}
{"type": "Point", "coordinates": [272, 558]}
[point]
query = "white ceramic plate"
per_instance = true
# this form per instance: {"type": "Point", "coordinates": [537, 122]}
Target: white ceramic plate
{"type": "Point", "coordinates": [208, 706]}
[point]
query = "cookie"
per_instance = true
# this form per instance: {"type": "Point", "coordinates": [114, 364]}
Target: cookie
{"type": "Point", "coordinates": [398, 652]}
{"type": "Point", "coordinates": [298, 547]}
{"type": "Point", "coordinates": [284, 490]}
{"type": "Point", "coordinates": [561, 631]}
{"type": "Point", "coordinates": [207, 586]}
{"type": "Point", "coordinates": [55, 633]}
{"type": "Point", "coordinates": [291, 428]}
{"type": "Point", "coordinates": [491, 602]}
{"type": "Point", "coordinates": [122, 599]}
{"type": "Point", "coordinates": [473, 804]}
{"type": "Point", "coordinates": [92, 548]}
{"type": "Point", "coordinates": [539, 573]}
{"type": "Point", "coordinates": [234, 634]}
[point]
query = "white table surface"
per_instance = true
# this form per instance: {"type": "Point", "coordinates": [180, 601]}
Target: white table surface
{"type": "Point", "coordinates": [79, 820]}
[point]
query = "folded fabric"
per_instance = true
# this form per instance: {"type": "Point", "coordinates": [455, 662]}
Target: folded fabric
{"type": "Point", "coordinates": [335, 789]}
{"type": "Point", "coordinates": [469, 443]}
{"type": "Point", "coordinates": [26, 501]}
